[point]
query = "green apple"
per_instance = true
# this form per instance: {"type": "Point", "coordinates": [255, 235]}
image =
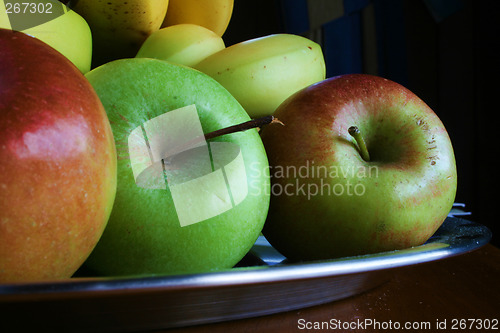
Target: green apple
{"type": "Point", "coordinates": [341, 192]}
{"type": "Point", "coordinates": [53, 23]}
{"type": "Point", "coordinates": [171, 215]}
{"type": "Point", "coordinates": [57, 162]}
{"type": "Point", "coordinates": [185, 44]}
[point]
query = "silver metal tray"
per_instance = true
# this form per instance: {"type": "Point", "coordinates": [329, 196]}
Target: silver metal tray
{"type": "Point", "coordinates": [263, 283]}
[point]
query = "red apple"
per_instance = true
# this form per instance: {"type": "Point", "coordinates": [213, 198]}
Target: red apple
{"type": "Point", "coordinates": [57, 162]}
{"type": "Point", "coordinates": [338, 193]}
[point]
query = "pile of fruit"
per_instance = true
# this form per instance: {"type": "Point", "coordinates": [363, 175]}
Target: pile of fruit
{"type": "Point", "coordinates": [128, 145]}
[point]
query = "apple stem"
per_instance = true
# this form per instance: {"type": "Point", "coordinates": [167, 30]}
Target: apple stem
{"type": "Point", "coordinates": [259, 122]}
{"type": "Point", "coordinates": [356, 134]}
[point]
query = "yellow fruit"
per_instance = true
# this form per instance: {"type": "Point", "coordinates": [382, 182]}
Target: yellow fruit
{"type": "Point", "coordinates": [4, 18]}
{"type": "Point", "coordinates": [65, 30]}
{"type": "Point", "coordinates": [261, 73]}
{"type": "Point", "coordinates": [184, 44]}
{"type": "Point", "coordinates": [211, 14]}
{"type": "Point", "coordinates": [120, 27]}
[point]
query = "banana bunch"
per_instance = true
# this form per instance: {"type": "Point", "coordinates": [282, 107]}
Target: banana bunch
{"type": "Point", "coordinates": [261, 73]}
{"type": "Point", "coordinates": [119, 27]}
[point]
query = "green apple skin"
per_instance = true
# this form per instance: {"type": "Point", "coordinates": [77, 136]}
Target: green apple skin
{"type": "Point", "coordinates": [57, 163]}
{"type": "Point", "coordinates": [396, 200]}
{"type": "Point", "coordinates": [68, 33]}
{"type": "Point", "coordinates": [143, 235]}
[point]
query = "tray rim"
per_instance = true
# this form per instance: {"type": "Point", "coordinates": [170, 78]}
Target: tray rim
{"type": "Point", "coordinates": [99, 286]}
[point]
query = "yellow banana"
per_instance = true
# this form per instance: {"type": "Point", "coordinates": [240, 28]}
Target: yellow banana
{"type": "Point", "coordinates": [185, 44]}
{"type": "Point", "coordinates": [211, 14]}
{"type": "Point", "coordinates": [65, 30]}
{"type": "Point", "coordinates": [120, 27]}
{"type": "Point", "coordinates": [261, 73]}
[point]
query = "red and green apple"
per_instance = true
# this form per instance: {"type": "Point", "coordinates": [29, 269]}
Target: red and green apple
{"type": "Point", "coordinates": [57, 162]}
{"type": "Point", "coordinates": [363, 165]}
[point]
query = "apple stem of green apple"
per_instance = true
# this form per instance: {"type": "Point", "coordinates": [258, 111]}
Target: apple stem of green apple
{"type": "Point", "coordinates": [254, 123]}
{"type": "Point", "coordinates": [356, 134]}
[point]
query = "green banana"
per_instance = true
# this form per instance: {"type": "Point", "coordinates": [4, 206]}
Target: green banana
{"type": "Point", "coordinates": [261, 73]}
{"type": "Point", "coordinates": [185, 44]}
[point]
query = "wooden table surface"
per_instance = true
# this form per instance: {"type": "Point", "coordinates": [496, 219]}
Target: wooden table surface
{"type": "Point", "coordinates": [458, 294]}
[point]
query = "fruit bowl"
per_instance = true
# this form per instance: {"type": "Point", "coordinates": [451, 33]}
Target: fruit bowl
{"type": "Point", "coordinates": [264, 282]}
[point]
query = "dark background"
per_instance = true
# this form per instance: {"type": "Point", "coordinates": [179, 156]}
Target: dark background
{"type": "Point", "coordinates": [446, 51]}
